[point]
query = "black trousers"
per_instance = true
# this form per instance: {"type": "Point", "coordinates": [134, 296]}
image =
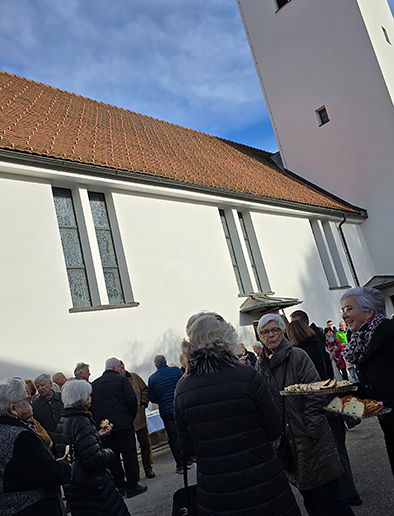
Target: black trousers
{"type": "Point", "coordinates": [169, 425]}
{"type": "Point", "coordinates": [326, 501]}
{"type": "Point", "coordinates": [387, 425]}
{"type": "Point", "coordinates": [145, 447]}
{"type": "Point", "coordinates": [122, 442]}
{"type": "Point", "coordinates": [346, 482]}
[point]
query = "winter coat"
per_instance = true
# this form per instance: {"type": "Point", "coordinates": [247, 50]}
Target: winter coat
{"type": "Point", "coordinates": [91, 491]}
{"type": "Point", "coordinates": [30, 477]}
{"type": "Point", "coordinates": [161, 387]}
{"type": "Point", "coordinates": [376, 371]}
{"type": "Point", "coordinates": [47, 412]}
{"type": "Point", "coordinates": [227, 419]}
{"type": "Point", "coordinates": [141, 391]}
{"type": "Point", "coordinates": [113, 398]}
{"type": "Point", "coordinates": [316, 458]}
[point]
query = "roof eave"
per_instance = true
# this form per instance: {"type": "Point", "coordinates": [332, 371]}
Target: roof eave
{"type": "Point", "coordinates": [60, 164]}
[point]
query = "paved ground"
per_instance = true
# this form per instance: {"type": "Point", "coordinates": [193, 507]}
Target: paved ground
{"type": "Point", "coordinates": [368, 457]}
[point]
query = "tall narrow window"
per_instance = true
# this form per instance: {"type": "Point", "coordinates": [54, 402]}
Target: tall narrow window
{"type": "Point", "coordinates": [232, 252]}
{"type": "Point", "coordinates": [69, 234]}
{"type": "Point", "coordinates": [250, 252]}
{"type": "Point", "coordinates": [106, 248]}
{"type": "Point", "coordinates": [322, 116]}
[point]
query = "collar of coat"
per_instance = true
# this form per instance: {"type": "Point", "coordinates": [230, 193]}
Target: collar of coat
{"type": "Point", "coordinates": [281, 353]}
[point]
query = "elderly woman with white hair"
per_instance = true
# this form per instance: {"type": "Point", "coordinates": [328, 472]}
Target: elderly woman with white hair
{"type": "Point", "coordinates": [226, 417]}
{"type": "Point", "coordinates": [30, 476]}
{"type": "Point", "coordinates": [315, 468]}
{"type": "Point", "coordinates": [371, 349]}
{"type": "Point", "coordinates": [90, 491]}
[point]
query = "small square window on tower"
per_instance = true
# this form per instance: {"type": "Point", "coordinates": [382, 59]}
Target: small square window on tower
{"type": "Point", "coordinates": [281, 3]}
{"type": "Point", "coordinates": [322, 115]}
{"type": "Point", "coordinates": [386, 35]}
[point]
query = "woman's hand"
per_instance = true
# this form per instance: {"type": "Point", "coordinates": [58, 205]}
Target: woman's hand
{"type": "Point", "coordinates": [105, 431]}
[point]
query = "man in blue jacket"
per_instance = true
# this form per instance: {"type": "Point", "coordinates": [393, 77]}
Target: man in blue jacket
{"type": "Point", "coordinates": [161, 388]}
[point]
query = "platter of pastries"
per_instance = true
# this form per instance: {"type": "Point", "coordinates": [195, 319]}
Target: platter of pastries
{"type": "Point", "coordinates": [352, 406]}
{"type": "Point", "coordinates": [322, 387]}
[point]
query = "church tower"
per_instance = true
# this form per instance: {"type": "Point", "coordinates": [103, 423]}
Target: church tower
{"type": "Point", "coordinates": [326, 68]}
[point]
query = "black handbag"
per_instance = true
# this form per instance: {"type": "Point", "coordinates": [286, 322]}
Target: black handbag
{"type": "Point", "coordinates": [185, 500]}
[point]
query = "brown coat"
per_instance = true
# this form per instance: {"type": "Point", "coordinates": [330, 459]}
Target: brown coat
{"type": "Point", "coordinates": [317, 461]}
{"type": "Point", "coordinates": [141, 391]}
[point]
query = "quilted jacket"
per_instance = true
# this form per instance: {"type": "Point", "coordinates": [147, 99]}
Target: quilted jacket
{"type": "Point", "coordinates": [227, 419]}
{"type": "Point", "coordinates": [91, 491]}
{"type": "Point", "coordinates": [316, 457]}
{"type": "Point", "coordinates": [161, 387]}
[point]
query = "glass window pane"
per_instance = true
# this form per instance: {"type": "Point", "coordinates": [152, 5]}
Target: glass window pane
{"type": "Point", "coordinates": [79, 288]}
{"type": "Point", "coordinates": [64, 207]}
{"type": "Point", "coordinates": [114, 286]}
{"type": "Point", "coordinates": [71, 247]}
{"type": "Point", "coordinates": [106, 247]}
{"type": "Point", "coordinates": [99, 210]}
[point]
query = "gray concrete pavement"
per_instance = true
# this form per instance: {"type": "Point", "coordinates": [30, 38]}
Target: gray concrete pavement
{"type": "Point", "coordinates": [368, 458]}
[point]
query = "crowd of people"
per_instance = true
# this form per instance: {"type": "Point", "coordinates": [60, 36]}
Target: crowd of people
{"type": "Point", "coordinates": [69, 441]}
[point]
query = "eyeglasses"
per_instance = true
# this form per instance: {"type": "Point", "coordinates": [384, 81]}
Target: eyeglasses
{"type": "Point", "coordinates": [345, 310]}
{"type": "Point", "coordinates": [24, 399]}
{"type": "Point", "coordinates": [274, 331]}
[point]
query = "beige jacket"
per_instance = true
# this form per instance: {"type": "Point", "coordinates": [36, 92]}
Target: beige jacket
{"type": "Point", "coordinates": [141, 391]}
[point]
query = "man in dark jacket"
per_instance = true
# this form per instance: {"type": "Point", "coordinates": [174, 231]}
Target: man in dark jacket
{"type": "Point", "coordinates": [161, 388]}
{"type": "Point", "coordinates": [47, 408]}
{"type": "Point", "coordinates": [113, 398]}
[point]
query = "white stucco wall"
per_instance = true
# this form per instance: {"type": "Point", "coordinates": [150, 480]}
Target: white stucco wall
{"type": "Point", "coordinates": [314, 53]}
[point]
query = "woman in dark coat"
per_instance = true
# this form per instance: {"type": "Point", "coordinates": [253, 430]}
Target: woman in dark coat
{"type": "Point", "coordinates": [30, 476]}
{"type": "Point", "coordinates": [316, 468]}
{"type": "Point", "coordinates": [90, 491]}
{"type": "Point", "coordinates": [226, 417]}
{"type": "Point", "coordinates": [371, 349]}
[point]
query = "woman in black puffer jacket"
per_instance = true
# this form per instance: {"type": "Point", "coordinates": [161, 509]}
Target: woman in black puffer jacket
{"type": "Point", "coordinates": [91, 491]}
{"type": "Point", "coordinates": [226, 417]}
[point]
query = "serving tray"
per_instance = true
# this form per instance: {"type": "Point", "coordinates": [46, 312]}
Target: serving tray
{"type": "Point", "coordinates": [385, 410]}
{"type": "Point", "coordinates": [340, 390]}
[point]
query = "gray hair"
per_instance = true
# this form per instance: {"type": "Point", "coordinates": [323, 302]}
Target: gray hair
{"type": "Point", "coordinates": [211, 335]}
{"type": "Point", "coordinates": [75, 393]}
{"type": "Point", "coordinates": [11, 390]}
{"type": "Point", "coordinates": [79, 368]}
{"type": "Point", "coordinates": [43, 376]}
{"type": "Point", "coordinates": [159, 359]}
{"type": "Point", "coordinates": [194, 318]}
{"type": "Point", "coordinates": [367, 298]}
{"type": "Point", "coordinates": [271, 317]}
{"type": "Point", "coordinates": [257, 345]}
{"type": "Point", "coordinates": [111, 363]}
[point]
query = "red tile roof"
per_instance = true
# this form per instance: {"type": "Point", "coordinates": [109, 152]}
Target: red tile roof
{"type": "Point", "coordinates": [41, 120]}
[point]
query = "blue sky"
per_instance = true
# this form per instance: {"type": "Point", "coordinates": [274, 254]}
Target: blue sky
{"type": "Point", "coordinates": [183, 61]}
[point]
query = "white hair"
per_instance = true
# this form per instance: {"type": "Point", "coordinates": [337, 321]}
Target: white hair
{"type": "Point", "coordinates": [367, 298]}
{"type": "Point", "coordinates": [43, 376]}
{"type": "Point", "coordinates": [11, 390]}
{"type": "Point", "coordinates": [257, 344]}
{"type": "Point", "coordinates": [111, 363]}
{"type": "Point", "coordinates": [268, 318]}
{"type": "Point", "coordinates": [75, 393]}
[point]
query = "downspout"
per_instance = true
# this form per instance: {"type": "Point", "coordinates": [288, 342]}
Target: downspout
{"type": "Point", "coordinates": [347, 252]}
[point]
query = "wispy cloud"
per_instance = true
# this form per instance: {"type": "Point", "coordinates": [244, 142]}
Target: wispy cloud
{"type": "Point", "coordinates": [185, 62]}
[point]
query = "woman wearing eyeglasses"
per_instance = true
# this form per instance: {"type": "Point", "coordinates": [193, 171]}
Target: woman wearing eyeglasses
{"type": "Point", "coordinates": [371, 349]}
{"type": "Point", "coordinates": [316, 467]}
{"type": "Point", "coordinates": [30, 476]}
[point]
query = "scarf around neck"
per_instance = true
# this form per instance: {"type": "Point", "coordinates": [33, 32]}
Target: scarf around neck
{"type": "Point", "coordinates": [357, 348]}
